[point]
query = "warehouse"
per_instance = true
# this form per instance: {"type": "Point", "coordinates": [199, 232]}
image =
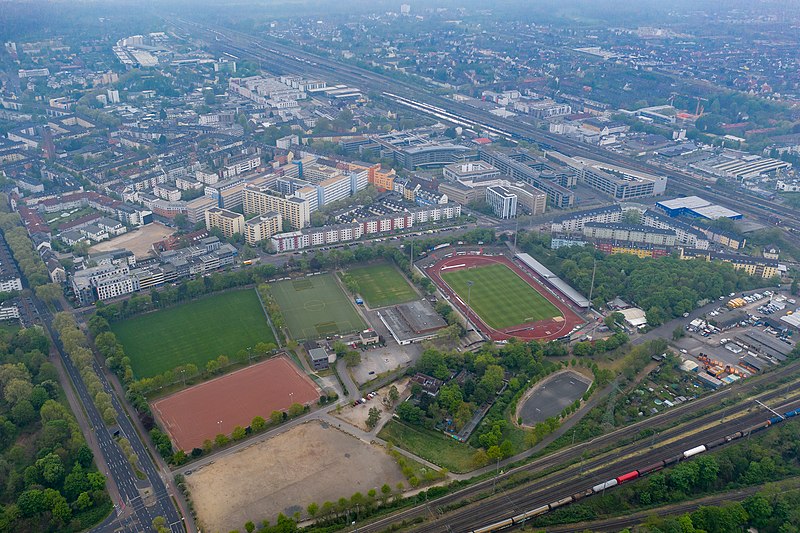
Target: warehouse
{"type": "Point", "coordinates": [694, 206]}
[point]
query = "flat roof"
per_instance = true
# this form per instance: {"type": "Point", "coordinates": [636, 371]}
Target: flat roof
{"type": "Point", "coordinates": [554, 280]}
{"type": "Point", "coordinates": [716, 211]}
{"type": "Point", "coordinates": [411, 321]}
{"type": "Point", "coordinates": [688, 202]}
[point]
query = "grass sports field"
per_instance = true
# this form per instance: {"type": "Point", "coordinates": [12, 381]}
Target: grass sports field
{"type": "Point", "coordinates": [499, 296]}
{"type": "Point", "coordinates": [194, 332]}
{"type": "Point", "coordinates": [315, 306]}
{"type": "Point", "coordinates": [382, 285]}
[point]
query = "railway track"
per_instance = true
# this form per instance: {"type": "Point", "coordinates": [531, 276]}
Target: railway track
{"type": "Point", "coordinates": [621, 522]}
{"type": "Point", "coordinates": [288, 59]}
{"type": "Point", "coordinates": [570, 481]}
{"type": "Point", "coordinates": [669, 421]}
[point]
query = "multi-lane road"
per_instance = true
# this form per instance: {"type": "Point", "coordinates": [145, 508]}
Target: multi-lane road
{"type": "Point", "coordinates": [140, 500]}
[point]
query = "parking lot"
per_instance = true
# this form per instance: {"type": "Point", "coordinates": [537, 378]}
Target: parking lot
{"type": "Point", "coordinates": [746, 335]}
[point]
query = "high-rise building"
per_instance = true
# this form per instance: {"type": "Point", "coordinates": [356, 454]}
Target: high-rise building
{"type": "Point", "coordinates": [261, 200]}
{"type": "Point", "coordinates": [229, 222]}
{"type": "Point", "coordinates": [262, 227]}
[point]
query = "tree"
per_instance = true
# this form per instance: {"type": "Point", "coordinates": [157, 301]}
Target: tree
{"type": "Point", "coordinates": [374, 416]}
{"type": "Point", "coordinates": [221, 440]}
{"type": "Point", "coordinates": [394, 394]}
{"type": "Point", "coordinates": [386, 492]}
{"type": "Point", "coordinates": [352, 358]}
{"type": "Point", "coordinates": [677, 333]}
{"type": "Point", "coordinates": [258, 423]}
{"type": "Point", "coordinates": [480, 458]}
{"type": "Point", "coordinates": [312, 509]}
{"type": "Point", "coordinates": [181, 220]}
{"type": "Point", "coordinates": [296, 409]}
{"type": "Point", "coordinates": [249, 526]}
{"type": "Point", "coordinates": [49, 293]}
{"type": "Point", "coordinates": [238, 433]}
{"type": "Point", "coordinates": [276, 417]}
{"type": "Point", "coordinates": [83, 502]}
{"type": "Point", "coordinates": [408, 412]}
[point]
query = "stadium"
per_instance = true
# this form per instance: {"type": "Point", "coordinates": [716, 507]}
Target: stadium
{"type": "Point", "coordinates": [507, 298]}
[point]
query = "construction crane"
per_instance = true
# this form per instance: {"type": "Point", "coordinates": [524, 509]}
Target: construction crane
{"type": "Point", "coordinates": [699, 109]}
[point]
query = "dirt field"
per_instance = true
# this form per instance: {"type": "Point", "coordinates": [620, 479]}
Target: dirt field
{"type": "Point", "coordinates": [357, 414]}
{"type": "Point", "coordinates": [137, 241]}
{"type": "Point", "coordinates": [217, 406]}
{"type": "Point", "coordinates": [310, 463]}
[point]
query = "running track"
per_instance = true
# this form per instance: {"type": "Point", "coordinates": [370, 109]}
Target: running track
{"type": "Point", "coordinates": [541, 330]}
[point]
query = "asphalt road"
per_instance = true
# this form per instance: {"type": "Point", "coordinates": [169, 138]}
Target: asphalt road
{"type": "Point", "coordinates": [141, 500]}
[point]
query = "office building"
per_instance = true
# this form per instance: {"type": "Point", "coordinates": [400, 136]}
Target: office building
{"type": "Point", "coordinates": [620, 183]}
{"type": "Point", "coordinates": [502, 201]}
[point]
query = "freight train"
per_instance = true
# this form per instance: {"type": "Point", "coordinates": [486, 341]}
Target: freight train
{"type": "Point", "coordinates": [632, 475]}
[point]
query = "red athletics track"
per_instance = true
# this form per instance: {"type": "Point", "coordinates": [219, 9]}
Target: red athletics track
{"type": "Point", "coordinates": [201, 412]}
{"type": "Point", "coordinates": [541, 330]}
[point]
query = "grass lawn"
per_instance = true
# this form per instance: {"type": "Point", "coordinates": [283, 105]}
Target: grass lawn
{"type": "Point", "coordinates": [431, 445]}
{"type": "Point", "coordinates": [194, 332]}
{"type": "Point", "coordinates": [382, 285]}
{"type": "Point", "coordinates": [315, 307]}
{"type": "Point", "coordinates": [499, 296]}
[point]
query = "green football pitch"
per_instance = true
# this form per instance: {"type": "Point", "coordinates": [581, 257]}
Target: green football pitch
{"type": "Point", "coordinates": [382, 285]}
{"type": "Point", "coordinates": [499, 296]}
{"type": "Point", "coordinates": [194, 332]}
{"type": "Point", "coordinates": [315, 307]}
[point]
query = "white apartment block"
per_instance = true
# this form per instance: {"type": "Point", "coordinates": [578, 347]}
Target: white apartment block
{"type": "Point", "coordinates": [10, 283]}
{"type": "Point", "coordinates": [333, 189]}
{"type": "Point", "coordinates": [309, 237]}
{"type": "Point", "coordinates": [574, 222]}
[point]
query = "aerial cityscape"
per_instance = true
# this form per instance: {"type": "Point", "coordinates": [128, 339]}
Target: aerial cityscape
{"type": "Point", "coordinates": [430, 266]}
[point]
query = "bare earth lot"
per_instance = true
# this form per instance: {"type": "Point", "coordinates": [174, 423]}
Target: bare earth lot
{"type": "Point", "coordinates": [357, 415]}
{"type": "Point", "coordinates": [137, 241]}
{"type": "Point", "coordinates": [310, 463]}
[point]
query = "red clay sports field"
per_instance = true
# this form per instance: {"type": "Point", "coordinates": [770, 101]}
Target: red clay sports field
{"type": "Point", "coordinates": [201, 412]}
{"type": "Point", "coordinates": [551, 329]}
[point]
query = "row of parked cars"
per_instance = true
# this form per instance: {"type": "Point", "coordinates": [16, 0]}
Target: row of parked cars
{"type": "Point", "coordinates": [369, 396]}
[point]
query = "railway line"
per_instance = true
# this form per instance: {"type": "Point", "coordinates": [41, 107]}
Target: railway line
{"type": "Point", "coordinates": [562, 488]}
{"type": "Point", "coordinates": [281, 58]}
{"type": "Point", "coordinates": [288, 59]}
{"type": "Point", "coordinates": [669, 430]}
{"type": "Point", "coordinates": [621, 522]}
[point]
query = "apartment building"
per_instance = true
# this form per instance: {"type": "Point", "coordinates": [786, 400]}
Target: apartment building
{"type": "Point", "coordinates": [261, 200]}
{"type": "Point", "coordinates": [333, 189]}
{"type": "Point", "coordinates": [196, 209]}
{"type": "Point", "coordinates": [229, 222]}
{"type": "Point", "coordinates": [574, 222]}
{"type": "Point", "coordinates": [685, 234]}
{"type": "Point", "coordinates": [305, 238]}
{"type": "Point", "coordinates": [629, 233]}
{"type": "Point", "coordinates": [755, 266]}
{"type": "Point", "coordinates": [262, 227]}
